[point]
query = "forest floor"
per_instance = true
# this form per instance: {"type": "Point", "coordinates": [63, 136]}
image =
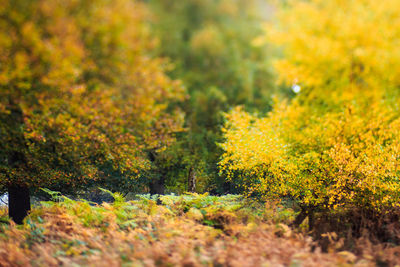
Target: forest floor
{"type": "Point", "coordinates": [189, 230]}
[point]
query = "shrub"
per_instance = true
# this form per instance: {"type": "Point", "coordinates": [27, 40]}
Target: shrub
{"type": "Point", "coordinates": [337, 143]}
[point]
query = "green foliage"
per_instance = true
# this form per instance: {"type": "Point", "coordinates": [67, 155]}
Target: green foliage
{"type": "Point", "coordinates": [210, 45]}
{"type": "Point", "coordinates": [213, 211]}
{"type": "Point", "coordinates": [55, 196]}
{"type": "Point", "coordinates": [35, 234]}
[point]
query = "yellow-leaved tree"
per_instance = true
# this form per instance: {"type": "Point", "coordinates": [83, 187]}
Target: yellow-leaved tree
{"type": "Point", "coordinates": [336, 144]}
{"type": "Point", "coordinates": [81, 100]}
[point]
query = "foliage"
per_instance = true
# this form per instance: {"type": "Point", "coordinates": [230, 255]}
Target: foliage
{"type": "Point", "coordinates": [335, 49]}
{"type": "Point", "coordinates": [209, 44]}
{"type": "Point", "coordinates": [141, 233]}
{"type": "Point", "coordinates": [328, 161]}
{"type": "Point", "coordinates": [80, 97]}
{"type": "Point", "coordinates": [336, 144]}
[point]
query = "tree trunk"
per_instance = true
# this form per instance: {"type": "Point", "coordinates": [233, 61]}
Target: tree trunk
{"type": "Point", "coordinates": [300, 218]}
{"type": "Point", "coordinates": [157, 187]}
{"type": "Point", "coordinates": [305, 212]}
{"type": "Point", "coordinates": [19, 203]}
{"type": "Point", "coordinates": [192, 180]}
{"type": "Point", "coordinates": [18, 195]}
{"type": "Point", "coordinates": [311, 220]}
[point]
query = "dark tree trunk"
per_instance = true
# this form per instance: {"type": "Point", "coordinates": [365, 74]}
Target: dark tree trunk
{"type": "Point", "coordinates": [19, 203]}
{"type": "Point", "coordinates": [18, 195]}
{"type": "Point", "coordinates": [311, 220]}
{"type": "Point", "coordinates": [192, 180]}
{"type": "Point", "coordinates": [157, 187]}
{"type": "Point", "coordinates": [305, 212]}
{"type": "Point", "coordinates": [300, 218]}
{"type": "Point", "coordinates": [157, 184]}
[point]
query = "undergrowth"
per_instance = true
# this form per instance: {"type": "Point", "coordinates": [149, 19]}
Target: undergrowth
{"type": "Point", "coordinates": [187, 230]}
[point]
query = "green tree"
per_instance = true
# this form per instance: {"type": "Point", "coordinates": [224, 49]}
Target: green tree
{"type": "Point", "coordinates": [210, 45]}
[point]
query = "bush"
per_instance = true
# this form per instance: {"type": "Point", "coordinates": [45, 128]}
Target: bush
{"type": "Point", "coordinates": [336, 144]}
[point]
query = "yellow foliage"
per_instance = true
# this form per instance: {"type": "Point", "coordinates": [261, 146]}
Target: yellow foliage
{"type": "Point", "coordinates": [337, 47]}
{"type": "Point", "coordinates": [337, 142]}
{"type": "Point", "coordinates": [337, 158]}
{"type": "Point", "coordinates": [79, 90]}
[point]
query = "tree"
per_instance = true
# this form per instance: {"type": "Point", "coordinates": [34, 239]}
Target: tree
{"type": "Point", "coordinates": [80, 97]}
{"type": "Point", "coordinates": [336, 144]}
{"type": "Point", "coordinates": [210, 45]}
